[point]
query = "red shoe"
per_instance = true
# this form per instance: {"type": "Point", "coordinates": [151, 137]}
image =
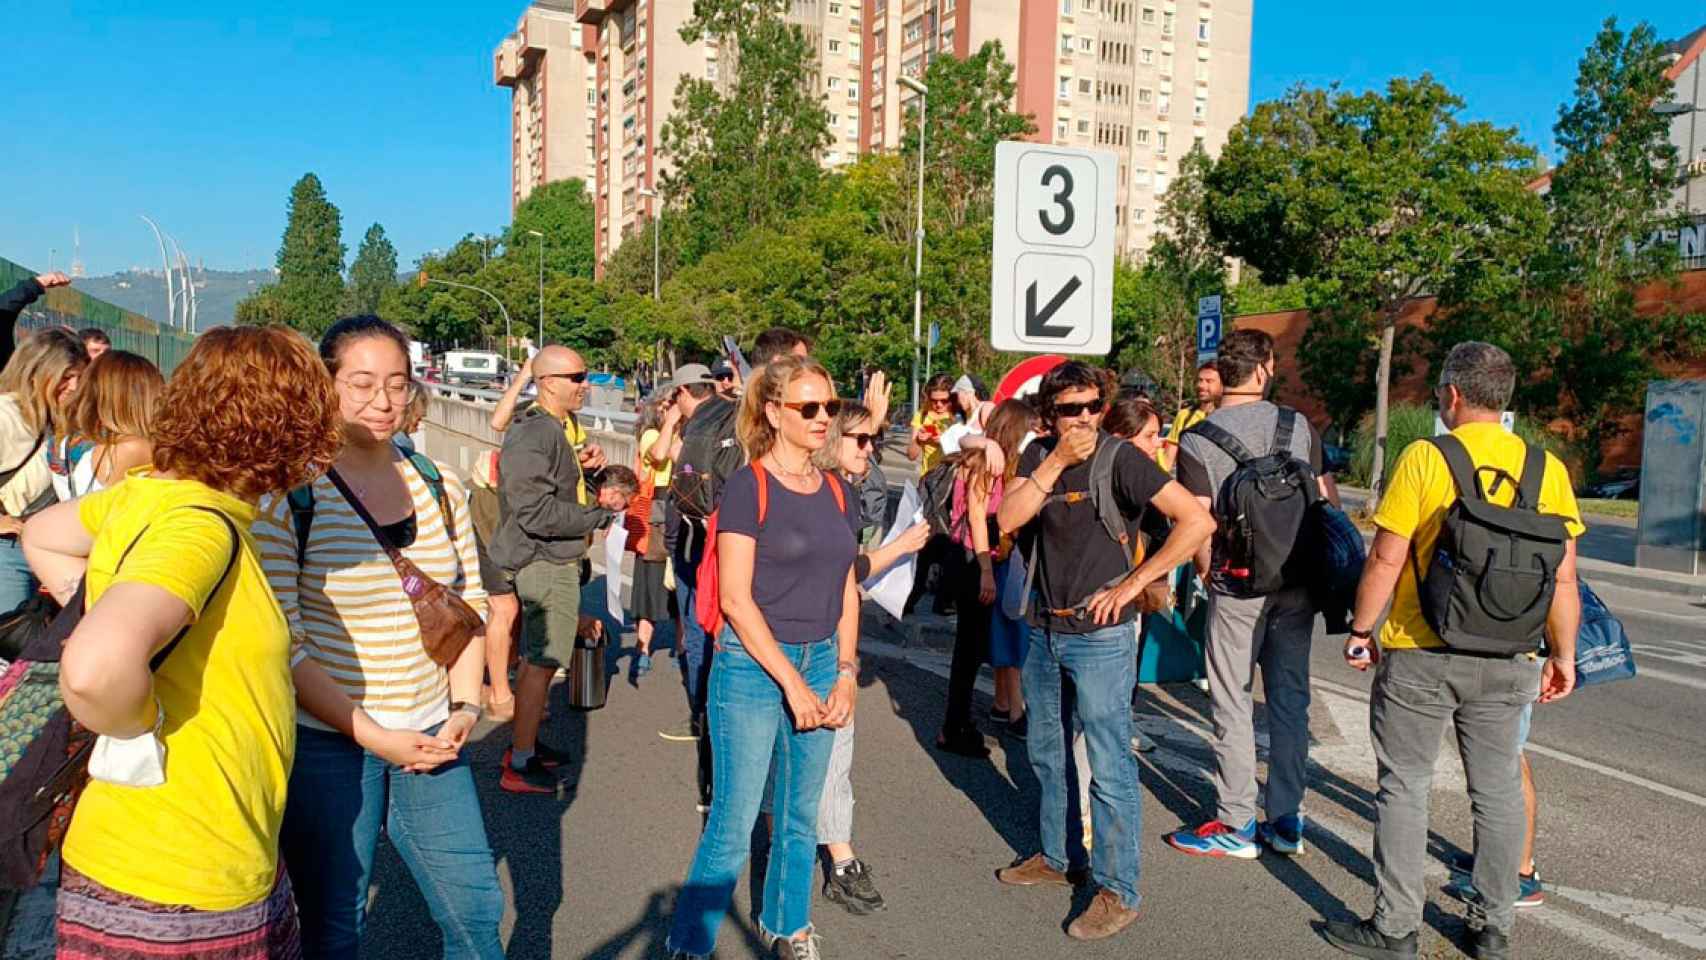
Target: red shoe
{"type": "Point", "coordinates": [535, 777]}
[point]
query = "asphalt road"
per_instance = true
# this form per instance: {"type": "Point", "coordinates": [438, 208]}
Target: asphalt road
{"type": "Point", "coordinates": [1622, 774]}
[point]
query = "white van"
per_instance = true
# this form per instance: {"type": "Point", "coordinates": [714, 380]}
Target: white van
{"type": "Point", "coordinates": [475, 368]}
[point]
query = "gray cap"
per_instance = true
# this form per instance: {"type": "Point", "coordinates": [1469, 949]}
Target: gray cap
{"type": "Point", "coordinates": [687, 374]}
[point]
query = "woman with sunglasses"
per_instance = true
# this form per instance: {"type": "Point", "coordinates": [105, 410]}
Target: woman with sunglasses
{"type": "Point", "coordinates": [380, 726]}
{"type": "Point", "coordinates": [784, 675]}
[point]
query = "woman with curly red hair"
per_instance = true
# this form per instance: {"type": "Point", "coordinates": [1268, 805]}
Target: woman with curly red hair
{"type": "Point", "coordinates": [189, 865]}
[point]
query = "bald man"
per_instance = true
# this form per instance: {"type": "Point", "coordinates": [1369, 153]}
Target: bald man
{"type": "Point", "coordinates": [548, 519]}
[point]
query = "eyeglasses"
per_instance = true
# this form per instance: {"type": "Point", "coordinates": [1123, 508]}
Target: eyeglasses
{"type": "Point", "coordinates": [725, 378]}
{"type": "Point", "coordinates": [1066, 411]}
{"type": "Point", "coordinates": [863, 440]}
{"type": "Point", "coordinates": [579, 376]}
{"type": "Point", "coordinates": [811, 408]}
{"type": "Point", "coordinates": [942, 400]}
{"type": "Point", "coordinates": [364, 392]}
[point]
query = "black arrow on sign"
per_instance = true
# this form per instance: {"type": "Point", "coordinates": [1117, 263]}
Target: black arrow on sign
{"type": "Point", "coordinates": [1036, 324]}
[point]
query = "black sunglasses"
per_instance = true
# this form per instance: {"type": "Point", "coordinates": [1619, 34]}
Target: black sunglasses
{"type": "Point", "coordinates": [1067, 411]}
{"type": "Point", "coordinates": [578, 376]}
{"type": "Point", "coordinates": [725, 376]}
{"type": "Point", "coordinates": [810, 408]}
{"type": "Point", "coordinates": [862, 439]}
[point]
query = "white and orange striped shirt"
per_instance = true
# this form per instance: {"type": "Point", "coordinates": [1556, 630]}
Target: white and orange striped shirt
{"type": "Point", "coordinates": [346, 605]}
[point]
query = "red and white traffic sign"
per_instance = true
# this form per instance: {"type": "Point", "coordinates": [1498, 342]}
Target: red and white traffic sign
{"type": "Point", "coordinates": [1024, 379]}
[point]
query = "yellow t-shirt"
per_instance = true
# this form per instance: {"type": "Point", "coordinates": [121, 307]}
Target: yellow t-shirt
{"type": "Point", "coordinates": [933, 451]}
{"type": "Point", "coordinates": [1168, 453]}
{"type": "Point", "coordinates": [660, 471]}
{"type": "Point", "coordinates": [1421, 491]}
{"type": "Point", "coordinates": [577, 439]}
{"type": "Point", "coordinates": [208, 837]}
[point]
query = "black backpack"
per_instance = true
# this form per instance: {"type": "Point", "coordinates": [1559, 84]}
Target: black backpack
{"type": "Point", "coordinates": [1259, 512]}
{"type": "Point", "coordinates": [1101, 496]}
{"type": "Point", "coordinates": [710, 454]}
{"type": "Point", "coordinates": [1489, 586]}
{"type": "Point", "coordinates": [936, 497]}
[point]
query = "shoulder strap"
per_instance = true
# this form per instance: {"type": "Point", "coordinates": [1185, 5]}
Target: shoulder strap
{"type": "Point", "coordinates": [835, 488]}
{"type": "Point", "coordinates": [391, 549]}
{"type": "Point", "coordinates": [1285, 425]}
{"type": "Point", "coordinates": [435, 482]}
{"type": "Point", "coordinates": [1461, 467]}
{"type": "Point", "coordinates": [1219, 436]}
{"type": "Point", "coordinates": [159, 659]}
{"type": "Point", "coordinates": [1533, 477]}
{"type": "Point", "coordinates": [7, 475]}
{"type": "Point", "coordinates": [1102, 465]}
{"type": "Point", "coordinates": [302, 519]}
{"type": "Point", "coordinates": [763, 479]}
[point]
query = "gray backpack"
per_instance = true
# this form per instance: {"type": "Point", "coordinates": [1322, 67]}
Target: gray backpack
{"type": "Point", "coordinates": [1101, 496]}
{"type": "Point", "coordinates": [1494, 570]}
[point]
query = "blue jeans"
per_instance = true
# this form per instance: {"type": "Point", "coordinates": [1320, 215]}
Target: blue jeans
{"type": "Point", "coordinates": [17, 583]}
{"type": "Point", "coordinates": [693, 645]}
{"type": "Point", "coordinates": [341, 796]}
{"type": "Point", "coordinates": [1103, 667]}
{"type": "Point", "coordinates": [750, 725]}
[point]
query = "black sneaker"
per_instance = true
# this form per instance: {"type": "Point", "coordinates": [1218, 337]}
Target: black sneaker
{"type": "Point", "coordinates": [1360, 938]}
{"type": "Point", "coordinates": [851, 887]}
{"type": "Point", "coordinates": [1021, 728]}
{"type": "Point", "coordinates": [1490, 944]}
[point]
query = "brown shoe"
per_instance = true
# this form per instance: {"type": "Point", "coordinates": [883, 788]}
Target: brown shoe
{"type": "Point", "coordinates": [1105, 916]}
{"type": "Point", "coordinates": [1034, 872]}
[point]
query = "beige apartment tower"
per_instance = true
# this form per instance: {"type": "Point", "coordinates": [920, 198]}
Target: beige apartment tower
{"type": "Point", "coordinates": [1144, 79]}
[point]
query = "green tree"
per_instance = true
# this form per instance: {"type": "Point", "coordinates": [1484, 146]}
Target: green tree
{"type": "Point", "coordinates": [744, 154]}
{"type": "Point", "coordinates": [373, 273]}
{"type": "Point", "coordinates": [970, 111]}
{"type": "Point", "coordinates": [1374, 199]}
{"type": "Point", "coordinates": [562, 211]}
{"type": "Point", "coordinates": [262, 308]}
{"type": "Point", "coordinates": [1571, 324]}
{"type": "Point", "coordinates": [311, 259]}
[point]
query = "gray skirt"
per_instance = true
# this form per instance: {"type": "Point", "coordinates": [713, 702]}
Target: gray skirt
{"type": "Point", "coordinates": [652, 601]}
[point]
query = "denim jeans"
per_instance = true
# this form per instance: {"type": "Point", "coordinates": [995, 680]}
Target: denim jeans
{"type": "Point", "coordinates": [17, 583]}
{"type": "Point", "coordinates": [341, 796]}
{"type": "Point", "coordinates": [750, 725]}
{"type": "Point", "coordinates": [1102, 666]}
{"type": "Point", "coordinates": [693, 652]}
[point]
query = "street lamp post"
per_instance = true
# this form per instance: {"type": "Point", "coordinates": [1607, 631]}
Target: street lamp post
{"type": "Point", "coordinates": [541, 236]}
{"type": "Point", "coordinates": [424, 280]}
{"type": "Point", "coordinates": [923, 92]}
{"type": "Point", "coordinates": [657, 230]}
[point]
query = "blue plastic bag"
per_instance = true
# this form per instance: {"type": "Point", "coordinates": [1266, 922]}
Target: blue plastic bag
{"type": "Point", "coordinates": [1603, 653]}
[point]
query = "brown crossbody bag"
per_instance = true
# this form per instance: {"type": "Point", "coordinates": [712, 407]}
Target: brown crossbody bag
{"type": "Point", "coordinates": [446, 621]}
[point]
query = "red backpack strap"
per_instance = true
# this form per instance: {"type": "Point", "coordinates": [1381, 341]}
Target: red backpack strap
{"type": "Point", "coordinates": [835, 488]}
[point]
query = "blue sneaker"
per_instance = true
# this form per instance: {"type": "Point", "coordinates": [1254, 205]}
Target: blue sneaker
{"type": "Point", "coordinates": [1285, 835]}
{"type": "Point", "coordinates": [1530, 892]}
{"type": "Point", "coordinates": [1216, 839]}
{"type": "Point", "coordinates": [642, 666]}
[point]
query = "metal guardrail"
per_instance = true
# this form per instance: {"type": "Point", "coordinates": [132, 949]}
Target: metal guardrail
{"type": "Point", "coordinates": [593, 418]}
{"type": "Point", "coordinates": [458, 428]}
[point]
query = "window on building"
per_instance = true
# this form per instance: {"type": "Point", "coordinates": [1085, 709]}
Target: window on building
{"type": "Point", "coordinates": [1166, 64]}
{"type": "Point", "coordinates": [913, 30]}
{"type": "Point", "coordinates": [853, 90]}
{"type": "Point", "coordinates": [853, 49]}
{"type": "Point", "coordinates": [1136, 214]}
{"type": "Point", "coordinates": [1148, 14]}
{"type": "Point", "coordinates": [1065, 43]}
{"type": "Point", "coordinates": [835, 119]}
{"type": "Point", "coordinates": [1164, 105]}
{"type": "Point", "coordinates": [1146, 55]}
{"type": "Point", "coordinates": [1145, 95]}
{"type": "Point", "coordinates": [1066, 7]}
{"type": "Point", "coordinates": [1066, 88]}
{"type": "Point", "coordinates": [948, 39]}
{"type": "Point", "coordinates": [835, 9]}
{"type": "Point", "coordinates": [947, 7]}
{"type": "Point", "coordinates": [909, 68]}
{"type": "Point", "coordinates": [1162, 180]}
{"type": "Point", "coordinates": [1088, 6]}
{"type": "Point", "coordinates": [832, 157]}
{"type": "Point", "coordinates": [1161, 145]}
{"type": "Point", "coordinates": [1086, 45]}
{"type": "Point", "coordinates": [1202, 29]}
{"type": "Point", "coordinates": [832, 83]}
{"type": "Point", "coordinates": [1142, 137]}
{"type": "Point", "coordinates": [1083, 126]}
{"type": "Point", "coordinates": [1200, 111]}
{"type": "Point", "coordinates": [835, 46]}
{"type": "Point", "coordinates": [1060, 130]}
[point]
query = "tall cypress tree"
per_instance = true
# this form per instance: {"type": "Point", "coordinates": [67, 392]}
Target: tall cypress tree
{"type": "Point", "coordinates": [311, 258]}
{"type": "Point", "coordinates": [374, 271]}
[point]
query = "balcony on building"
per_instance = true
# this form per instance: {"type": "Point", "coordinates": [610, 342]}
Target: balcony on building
{"type": "Point", "coordinates": [594, 11]}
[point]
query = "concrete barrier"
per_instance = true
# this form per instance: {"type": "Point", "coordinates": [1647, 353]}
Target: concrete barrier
{"type": "Point", "coordinates": [457, 430]}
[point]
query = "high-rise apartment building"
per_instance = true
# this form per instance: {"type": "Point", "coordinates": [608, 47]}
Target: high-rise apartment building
{"type": "Point", "coordinates": [1145, 79]}
{"type": "Point", "coordinates": [551, 110]}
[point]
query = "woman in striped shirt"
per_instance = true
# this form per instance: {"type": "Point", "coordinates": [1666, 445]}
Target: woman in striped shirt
{"type": "Point", "coordinates": [380, 725]}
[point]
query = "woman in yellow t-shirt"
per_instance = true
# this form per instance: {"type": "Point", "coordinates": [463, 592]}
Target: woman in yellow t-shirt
{"type": "Point", "coordinates": [187, 862]}
{"type": "Point", "coordinates": [654, 601]}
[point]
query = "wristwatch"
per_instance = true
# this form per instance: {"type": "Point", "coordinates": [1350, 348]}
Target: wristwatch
{"type": "Point", "coordinates": [1362, 634]}
{"type": "Point", "coordinates": [848, 669]}
{"type": "Point", "coordinates": [463, 706]}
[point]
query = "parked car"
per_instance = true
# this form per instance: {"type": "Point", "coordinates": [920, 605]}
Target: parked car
{"type": "Point", "coordinates": [1625, 484]}
{"type": "Point", "coordinates": [1335, 459]}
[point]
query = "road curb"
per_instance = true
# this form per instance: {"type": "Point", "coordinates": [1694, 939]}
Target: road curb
{"type": "Point", "coordinates": [1650, 581]}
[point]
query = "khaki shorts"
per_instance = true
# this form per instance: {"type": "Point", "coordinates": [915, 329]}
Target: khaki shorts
{"type": "Point", "coordinates": [550, 595]}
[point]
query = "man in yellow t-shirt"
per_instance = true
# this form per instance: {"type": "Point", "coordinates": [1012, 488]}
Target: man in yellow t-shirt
{"type": "Point", "coordinates": [1209, 391]}
{"type": "Point", "coordinates": [1421, 684]}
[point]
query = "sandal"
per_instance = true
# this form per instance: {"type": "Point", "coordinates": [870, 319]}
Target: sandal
{"type": "Point", "coordinates": [500, 711]}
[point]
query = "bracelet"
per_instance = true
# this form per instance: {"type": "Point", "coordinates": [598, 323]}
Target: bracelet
{"type": "Point", "coordinates": [1362, 634]}
{"type": "Point", "coordinates": [848, 669]}
{"type": "Point", "coordinates": [464, 706]}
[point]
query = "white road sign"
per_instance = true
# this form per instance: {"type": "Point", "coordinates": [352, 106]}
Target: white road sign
{"type": "Point", "coordinates": [1052, 289]}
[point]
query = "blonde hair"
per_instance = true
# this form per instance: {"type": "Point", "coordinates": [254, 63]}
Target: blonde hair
{"type": "Point", "coordinates": [829, 458]}
{"type": "Point", "coordinates": [753, 428]}
{"type": "Point", "coordinates": [33, 375]}
{"type": "Point", "coordinates": [116, 398]}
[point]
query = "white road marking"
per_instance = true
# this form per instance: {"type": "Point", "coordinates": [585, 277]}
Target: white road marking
{"type": "Point", "coordinates": [1684, 925]}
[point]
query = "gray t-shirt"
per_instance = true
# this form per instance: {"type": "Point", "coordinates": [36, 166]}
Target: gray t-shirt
{"type": "Point", "coordinates": [1204, 467]}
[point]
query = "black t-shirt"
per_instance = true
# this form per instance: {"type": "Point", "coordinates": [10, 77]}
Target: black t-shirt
{"type": "Point", "coordinates": [1075, 556]}
{"type": "Point", "coordinates": [805, 548]}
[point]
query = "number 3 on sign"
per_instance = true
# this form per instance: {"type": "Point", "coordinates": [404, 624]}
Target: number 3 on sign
{"type": "Point", "coordinates": [1063, 198]}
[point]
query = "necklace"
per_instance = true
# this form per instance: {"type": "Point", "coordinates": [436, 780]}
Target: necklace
{"type": "Point", "coordinates": [804, 474]}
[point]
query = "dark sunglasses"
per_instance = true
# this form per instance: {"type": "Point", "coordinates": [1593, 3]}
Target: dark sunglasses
{"type": "Point", "coordinates": [1067, 411]}
{"type": "Point", "coordinates": [729, 377]}
{"type": "Point", "coordinates": [862, 439]}
{"type": "Point", "coordinates": [578, 376]}
{"type": "Point", "coordinates": [941, 399]}
{"type": "Point", "coordinates": [811, 408]}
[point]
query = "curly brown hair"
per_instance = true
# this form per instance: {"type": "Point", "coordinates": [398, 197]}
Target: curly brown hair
{"type": "Point", "coordinates": [250, 411]}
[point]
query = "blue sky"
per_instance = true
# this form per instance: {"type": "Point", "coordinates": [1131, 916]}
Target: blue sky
{"type": "Point", "coordinates": [203, 119]}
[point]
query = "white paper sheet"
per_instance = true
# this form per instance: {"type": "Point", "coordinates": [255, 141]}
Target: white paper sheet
{"type": "Point", "coordinates": [890, 588]}
{"type": "Point", "coordinates": [615, 541]}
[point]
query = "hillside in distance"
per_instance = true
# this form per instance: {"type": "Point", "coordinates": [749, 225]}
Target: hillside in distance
{"type": "Point", "coordinates": [217, 292]}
